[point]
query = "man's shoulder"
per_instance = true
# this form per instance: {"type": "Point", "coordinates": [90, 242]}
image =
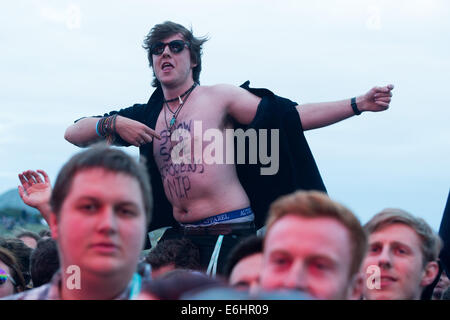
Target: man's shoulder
{"type": "Point", "coordinates": [222, 88]}
{"type": "Point", "coordinates": [39, 293]}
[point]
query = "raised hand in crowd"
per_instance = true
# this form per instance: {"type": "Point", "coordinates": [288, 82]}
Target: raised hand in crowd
{"type": "Point", "coordinates": [35, 191]}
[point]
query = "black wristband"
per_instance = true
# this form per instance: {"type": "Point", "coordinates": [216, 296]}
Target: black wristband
{"type": "Point", "coordinates": [355, 107]}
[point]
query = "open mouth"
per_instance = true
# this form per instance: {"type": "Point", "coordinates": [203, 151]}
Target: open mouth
{"type": "Point", "coordinates": [166, 66]}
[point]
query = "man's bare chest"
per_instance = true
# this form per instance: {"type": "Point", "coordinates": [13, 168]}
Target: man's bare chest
{"type": "Point", "coordinates": [193, 120]}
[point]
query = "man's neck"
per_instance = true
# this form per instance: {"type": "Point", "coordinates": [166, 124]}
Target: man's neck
{"type": "Point", "coordinates": [94, 287]}
{"type": "Point", "coordinates": [176, 91]}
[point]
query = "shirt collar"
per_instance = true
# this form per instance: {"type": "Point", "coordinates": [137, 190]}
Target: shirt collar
{"type": "Point", "coordinates": [54, 291]}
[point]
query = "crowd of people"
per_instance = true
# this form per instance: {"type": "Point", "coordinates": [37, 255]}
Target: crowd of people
{"type": "Point", "coordinates": [251, 227]}
{"type": "Point", "coordinates": [312, 247]}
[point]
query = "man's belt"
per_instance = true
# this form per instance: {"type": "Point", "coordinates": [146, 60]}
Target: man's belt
{"type": "Point", "coordinates": [220, 228]}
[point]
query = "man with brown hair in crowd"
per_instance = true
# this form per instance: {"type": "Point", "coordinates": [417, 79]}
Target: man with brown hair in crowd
{"type": "Point", "coordinates": [402, 258]}
{"type": "Point", "coordinates": [314, 245]}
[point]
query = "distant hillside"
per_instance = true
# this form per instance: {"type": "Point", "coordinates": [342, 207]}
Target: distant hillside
{"type": "Point", "coordinates": [11, 200]}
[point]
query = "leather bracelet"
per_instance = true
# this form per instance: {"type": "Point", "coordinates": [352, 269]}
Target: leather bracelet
{"type": "Point", "coordinates": [355, 107]}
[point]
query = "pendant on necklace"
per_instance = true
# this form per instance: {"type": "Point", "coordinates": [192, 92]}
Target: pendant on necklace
{"type": "Point", "coordinates": [172, 122]}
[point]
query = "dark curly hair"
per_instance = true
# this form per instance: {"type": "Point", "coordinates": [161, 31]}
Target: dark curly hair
{"type": "Point", "coordinates": [182, 253]}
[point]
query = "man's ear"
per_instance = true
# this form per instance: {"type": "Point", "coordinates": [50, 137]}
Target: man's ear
{"type": "Point", "coordinates": [355, 289]}
{"type": "Point", "coordinates": [54, 225]}
{"type": "Point", "coordinates": [430, 273]}
{"type": "Point", "coordinates": [193, 63]}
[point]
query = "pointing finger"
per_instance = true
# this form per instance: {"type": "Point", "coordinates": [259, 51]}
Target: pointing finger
{"type": "Point", "coordinates": [152, 133]}
{"type": "Point", "coordinates": [146, 138]}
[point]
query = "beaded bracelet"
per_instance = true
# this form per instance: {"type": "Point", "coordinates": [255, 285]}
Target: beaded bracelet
{"type": "Point", "coordinates": [106, 128]}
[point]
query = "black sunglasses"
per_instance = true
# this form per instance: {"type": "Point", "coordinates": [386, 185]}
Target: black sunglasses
{"type": "Point", "coordinates": [175, 46]}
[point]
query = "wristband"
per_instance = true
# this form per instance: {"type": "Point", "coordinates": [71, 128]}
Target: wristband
{"type": "Point", "coordinates": [355, 107]}
{"type": "Point", "coordinates": [96, 128]}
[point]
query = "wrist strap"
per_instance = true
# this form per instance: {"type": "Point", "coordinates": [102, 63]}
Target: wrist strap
{"type": "Point", "coordinates": [355, 107]}
{"type": "Point", "coordinates": [96, 128]}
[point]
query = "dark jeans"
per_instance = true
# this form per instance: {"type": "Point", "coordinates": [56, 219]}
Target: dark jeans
{"type": "Point", "coordinates": [205, 239]}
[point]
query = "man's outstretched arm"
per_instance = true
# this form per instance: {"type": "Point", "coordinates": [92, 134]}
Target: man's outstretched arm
{"type": "Point", "coordinates": [318, 115]}
{"type": "Point", "coordinates": [84, 132]}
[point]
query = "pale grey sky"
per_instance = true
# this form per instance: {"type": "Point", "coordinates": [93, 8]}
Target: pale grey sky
{"type": "Point", "coordinates": [61, 60]}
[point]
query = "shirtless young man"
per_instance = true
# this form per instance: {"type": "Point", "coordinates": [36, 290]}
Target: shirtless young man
{"type": "Point", "coordinates": [200, 190]}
